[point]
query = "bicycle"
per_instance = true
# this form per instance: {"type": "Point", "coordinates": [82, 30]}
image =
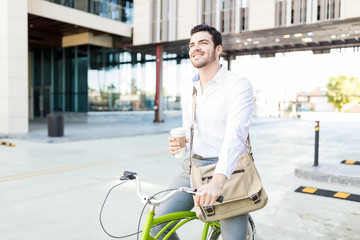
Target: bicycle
{"type": "Point", "coordinates": [173, 221]}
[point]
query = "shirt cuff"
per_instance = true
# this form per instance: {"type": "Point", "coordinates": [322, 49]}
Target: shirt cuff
{"type": "Point", "coordinates": [223, 170]}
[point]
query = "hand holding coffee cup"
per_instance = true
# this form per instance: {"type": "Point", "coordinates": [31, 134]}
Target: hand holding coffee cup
{"type": "Point", "coordinates": [177, 142]}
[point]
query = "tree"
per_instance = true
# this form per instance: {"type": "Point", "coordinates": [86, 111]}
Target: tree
{"type": "Point", "coordinates": [343, 89]}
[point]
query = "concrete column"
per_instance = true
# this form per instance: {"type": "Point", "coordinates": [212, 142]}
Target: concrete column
{"type": "Point", "coordinates": [13, 67]}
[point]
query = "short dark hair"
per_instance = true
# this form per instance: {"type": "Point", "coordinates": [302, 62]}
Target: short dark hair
{"type": "Point", "coordinates": [216, 35]}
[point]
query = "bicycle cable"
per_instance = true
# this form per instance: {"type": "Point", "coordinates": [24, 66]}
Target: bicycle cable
{"type": "Point", "coordinates": [101, 210]}
{"type": "Point", "coordinates": [142, 212]}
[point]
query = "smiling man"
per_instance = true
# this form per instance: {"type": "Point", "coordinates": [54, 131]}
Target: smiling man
{"type": "Point", "coordinates": [223, 117]}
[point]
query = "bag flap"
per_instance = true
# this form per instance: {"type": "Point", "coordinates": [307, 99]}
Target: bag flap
{"type": "Point", "coordinates": [243, 183]}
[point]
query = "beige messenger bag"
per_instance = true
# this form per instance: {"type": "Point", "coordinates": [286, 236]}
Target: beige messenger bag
{"type": "Point", "coordinates": [242, 193]}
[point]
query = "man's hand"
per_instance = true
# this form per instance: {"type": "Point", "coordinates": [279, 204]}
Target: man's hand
{"type": "Point", "coordinates": [174, 146]}
{"type": "Point", "coordinates": [211, 191]}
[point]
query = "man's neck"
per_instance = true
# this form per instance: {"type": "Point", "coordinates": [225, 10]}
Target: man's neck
{"type": "Point", "coordinates": [207, 73]}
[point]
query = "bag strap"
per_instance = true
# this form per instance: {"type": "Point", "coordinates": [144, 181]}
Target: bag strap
{"type": "Point", "coordinates": [194, 94]}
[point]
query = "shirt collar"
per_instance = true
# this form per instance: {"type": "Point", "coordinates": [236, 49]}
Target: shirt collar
{"type": "Point", "coordinates": [217, 77]}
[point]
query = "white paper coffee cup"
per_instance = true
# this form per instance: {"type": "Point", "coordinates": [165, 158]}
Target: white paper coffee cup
{"type": "Point", "coordinates": [179, 134]}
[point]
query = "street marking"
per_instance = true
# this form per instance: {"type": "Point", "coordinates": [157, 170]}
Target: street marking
{"type": "Point", "coordinates": [341, 195]}
{"type": "Point", "coordinates": [7, 144]}
{"type": "Point", "coordinates": [68, 168]}
{"type": "Point", "coordinates": [351, 162]}
{"type": "Point", "coordinates": [309, 190]}
{"type": "Point", "coordinates": [328, 193]}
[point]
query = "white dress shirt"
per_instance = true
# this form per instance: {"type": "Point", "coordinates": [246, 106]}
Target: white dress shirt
{"type": "Point", "coordinates": [223, 118]}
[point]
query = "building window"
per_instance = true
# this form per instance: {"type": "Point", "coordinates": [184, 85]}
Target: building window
{"type": "Point", "coordinates": [328, 10]}
{"type": "Point", "coordinates": [209, 12]}
{"type": "Point", "coordinates": [227, 16]}
{"type": "Point", "coordinates": [294, 12]}
{"type": "Point", "coordinates": [230, 16]}
{"type": "Point", "coordinates": [164, 20]}
{"type": "Point", "coordinates": [290, 12]}
{"type": "Point", "coordinates": [280, 16]}
{"type": "Point", "coordinates": [298, 11]}
{"type": "Point", "coordinates": [119, 10]}
{"type": "Point", "coordinates": [244, 14]}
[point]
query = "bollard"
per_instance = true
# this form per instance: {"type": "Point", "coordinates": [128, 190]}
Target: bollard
{"type": "Point", "coordinates": [316, 158]}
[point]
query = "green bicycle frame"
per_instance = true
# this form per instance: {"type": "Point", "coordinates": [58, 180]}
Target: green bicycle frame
{"type": "Point", "coordinates": [175, 221]}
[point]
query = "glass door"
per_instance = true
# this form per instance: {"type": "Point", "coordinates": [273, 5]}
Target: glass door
{"type": "Point", "coordinates": [41, 101]}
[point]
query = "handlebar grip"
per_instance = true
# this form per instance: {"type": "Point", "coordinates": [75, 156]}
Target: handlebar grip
{"type": "Point", "coordinates": [220, 199]}
{"type": "Point", "coordinates": [127, 175]}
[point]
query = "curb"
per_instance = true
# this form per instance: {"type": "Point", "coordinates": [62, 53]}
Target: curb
{"type": "Point", "coordinates": [339, 174]}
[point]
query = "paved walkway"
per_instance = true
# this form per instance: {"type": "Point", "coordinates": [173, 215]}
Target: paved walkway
{"type": "Point", "coordinates": [55, 191]}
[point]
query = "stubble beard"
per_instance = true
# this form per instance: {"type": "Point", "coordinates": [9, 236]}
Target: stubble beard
{"type": "Point", "coordinates": [205, 62]}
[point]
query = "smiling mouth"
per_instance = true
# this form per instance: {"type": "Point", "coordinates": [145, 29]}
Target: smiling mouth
{"type": "Point", "coordinates": [197, 54]}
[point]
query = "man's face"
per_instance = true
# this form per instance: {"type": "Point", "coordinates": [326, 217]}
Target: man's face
{"type": "Point", "coordinates": [202, 51]}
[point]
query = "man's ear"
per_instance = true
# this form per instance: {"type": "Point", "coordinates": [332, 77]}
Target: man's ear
{"type": "Point", "coordinates": [218, 50]}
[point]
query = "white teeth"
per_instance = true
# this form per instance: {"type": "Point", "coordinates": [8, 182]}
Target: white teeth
{"type": "Point", "coordinates": [196, 55]}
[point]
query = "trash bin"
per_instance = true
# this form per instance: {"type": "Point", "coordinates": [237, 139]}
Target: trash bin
{"type": "Point", "coordinates": [55, 124]}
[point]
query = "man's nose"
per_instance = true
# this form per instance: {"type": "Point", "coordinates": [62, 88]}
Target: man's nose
{"type": "Point", "coordinates": [197, 47]}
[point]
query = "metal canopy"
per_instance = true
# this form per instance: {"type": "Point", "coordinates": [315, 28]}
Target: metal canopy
{"type": "Point", "coordinates": [319, 37]}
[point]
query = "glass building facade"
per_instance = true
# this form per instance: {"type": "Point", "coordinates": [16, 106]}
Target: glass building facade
{"type": "Point", "coordinates": [120, 10]}
{"type": "Point", "coordinates": [89, 78]}
{"type": "Point", "coordinates": [59, 80]}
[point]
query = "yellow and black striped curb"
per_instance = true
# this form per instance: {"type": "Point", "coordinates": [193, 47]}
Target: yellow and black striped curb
{"type": "Point", "coordinates": [7, 144]}
{"type": "Point", "coordinates": [350, 162]}
{"type": "Point", "coordinates": [328, 193]}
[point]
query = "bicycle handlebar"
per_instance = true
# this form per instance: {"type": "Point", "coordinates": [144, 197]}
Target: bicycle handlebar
{"type": "Point", "coordinates": [127, 175]}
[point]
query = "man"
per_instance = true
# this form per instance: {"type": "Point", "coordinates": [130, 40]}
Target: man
{"type": "Point", "coordinates": [223, 117]}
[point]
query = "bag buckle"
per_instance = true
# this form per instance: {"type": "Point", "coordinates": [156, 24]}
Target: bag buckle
{"type": "Point", "coordinates": [255, 198]}
{"type": "Point", "coordinates": [208, 210]}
